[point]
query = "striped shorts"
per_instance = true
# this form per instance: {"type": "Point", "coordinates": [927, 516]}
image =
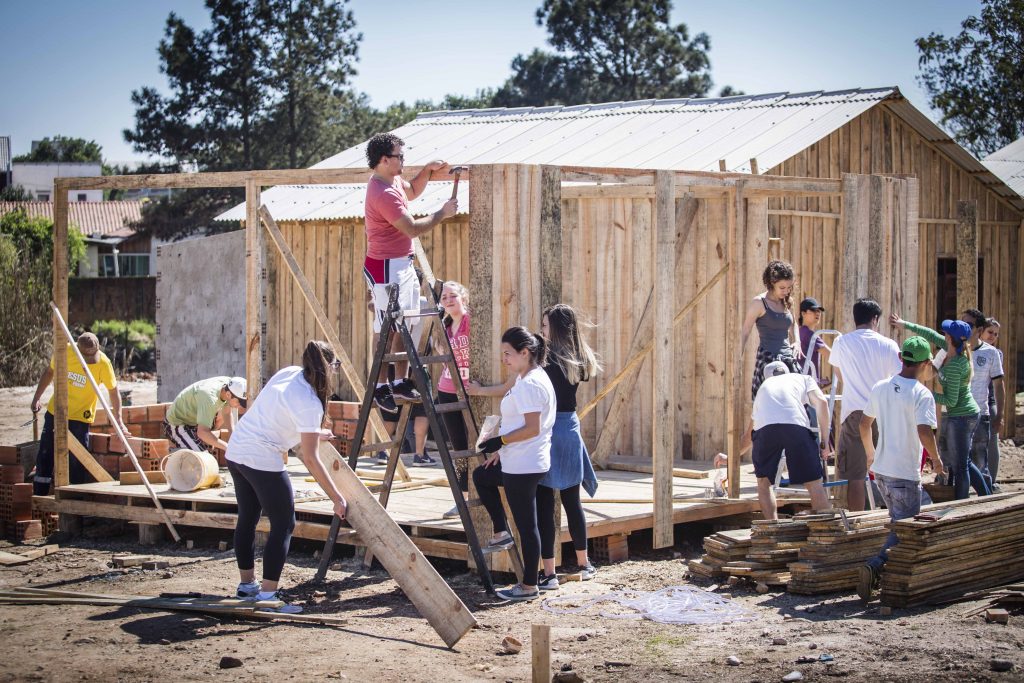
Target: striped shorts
{"type": "Point", "coordinates": [185, 436]}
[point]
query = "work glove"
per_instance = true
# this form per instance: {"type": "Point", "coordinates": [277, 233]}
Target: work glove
{"type": "Point", "coordinates": [492, 445]}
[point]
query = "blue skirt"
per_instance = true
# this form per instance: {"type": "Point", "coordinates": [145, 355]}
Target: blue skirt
{"type": "Point", "coordinates": [570, 461]}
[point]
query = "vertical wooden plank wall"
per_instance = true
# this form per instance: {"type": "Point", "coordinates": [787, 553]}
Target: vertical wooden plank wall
{"type": "Point", "coordinates": [331, 255]}
{"type": "Point", "coordinates": [879, 142]}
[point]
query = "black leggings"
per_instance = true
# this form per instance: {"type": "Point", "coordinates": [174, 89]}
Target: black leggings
{"type": "Point", "coordinates": [455, 425]}
{"type": "Point", "coordinates": [270, 493]}
{"type": "Point", "coordinates": [546, 519]}
{"type": "Point", "coordinates": [521, 493]}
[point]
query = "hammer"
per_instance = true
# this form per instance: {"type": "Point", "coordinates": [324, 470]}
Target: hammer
{"type": "Point", "coordinates": [456, 171]}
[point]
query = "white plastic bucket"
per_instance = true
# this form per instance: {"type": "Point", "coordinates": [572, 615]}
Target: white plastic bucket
{"type": "Point", "coordinates": [187, 470]}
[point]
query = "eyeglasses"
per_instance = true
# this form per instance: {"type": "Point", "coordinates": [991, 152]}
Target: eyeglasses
{"type": "Point", "coordinates": [400, 157]}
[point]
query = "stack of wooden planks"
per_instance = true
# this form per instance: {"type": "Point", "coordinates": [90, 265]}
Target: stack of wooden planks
{"type": "Point", "coordinates": [720, 549]}
{"type": "Point", "coordinates": [773, 545]}
{"type": "Point", "coordinates": [828, 562]}
{"type": "Point", "coordinates": [977, 543]}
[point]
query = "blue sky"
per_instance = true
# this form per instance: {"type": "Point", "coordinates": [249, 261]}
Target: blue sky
{"type": "Point", "coordinates": [69, 66]}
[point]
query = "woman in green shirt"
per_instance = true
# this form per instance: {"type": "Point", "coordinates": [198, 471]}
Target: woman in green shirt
{"type": "Point", "coordinates": [954, 392]}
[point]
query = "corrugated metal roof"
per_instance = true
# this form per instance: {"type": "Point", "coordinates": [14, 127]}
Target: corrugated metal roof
{"type": "Point", "coordinates": [1008, 164]}
{"type": "Point", "coordinates": [5, 153]}
{"type": "Point", "coordinates": [324, 202]}
{"type": "Point", "coordinates": [681, 134]}
{"type": "Point", "coordinates": [91, 218]}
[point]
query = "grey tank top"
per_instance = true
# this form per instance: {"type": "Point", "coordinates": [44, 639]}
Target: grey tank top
{"type": "Point", "coordinates": [773, 329]}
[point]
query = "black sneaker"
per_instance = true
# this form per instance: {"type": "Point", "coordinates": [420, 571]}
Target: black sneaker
{"type": "Point", "coordinates": [405, 390]}
{"type": "Point", "coordinates": [423, 461]}
{"type": "Point", "coordinates": [382, 457]}
{"type": "Point", "coordinates": [547, 583]}
{"type": "Point", "coordinates": [384, 397]}
{"type": "Point", "coordinates": [517, 593]}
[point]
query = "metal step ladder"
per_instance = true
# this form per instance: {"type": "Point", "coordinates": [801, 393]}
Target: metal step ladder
{"type": "Point", "coordinates": [396, 320]}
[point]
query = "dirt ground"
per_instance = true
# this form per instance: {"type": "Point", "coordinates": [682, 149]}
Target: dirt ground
{"type": "Point", "coordinates": [386, 640]}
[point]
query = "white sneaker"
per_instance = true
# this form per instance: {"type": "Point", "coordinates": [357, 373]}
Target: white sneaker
{"type": "Point", "coordinates": [286, 608]}
{"type": "Point", "coordinates": [247, 590]}
{"type": "Point", "coordinates": [452, 514]}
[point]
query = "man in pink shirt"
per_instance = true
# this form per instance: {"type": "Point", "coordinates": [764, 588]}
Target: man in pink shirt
{"type": "Point", "coordinates": [390, 229]}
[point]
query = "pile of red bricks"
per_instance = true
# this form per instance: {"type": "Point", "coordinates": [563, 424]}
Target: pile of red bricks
{"type": "Point", "coordinates": [16, 522]}
{"type": "Point", "coordinates": [146, 426]}
{"type": "Point", "coordinates": [343, 416]}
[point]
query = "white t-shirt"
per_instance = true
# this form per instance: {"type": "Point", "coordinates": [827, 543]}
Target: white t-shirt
{"type": "Point", "coordinates": [900, 405]}
{"type": "Point", "coordinates": [781, 400]}
{"type": "Point", "coordinates": [988, 365]}
{"type": "Point", "coordinates": [285, 409]}
{"type": "Point", "coordinates": [530, 394]}
{"type": "Point", "coordinates": [865, 358]}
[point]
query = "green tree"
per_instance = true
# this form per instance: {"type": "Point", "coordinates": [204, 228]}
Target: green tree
{"type": "Point", "coordinates": [609, 50]}
{"type": "Point", "coordinates": [64, 149]}
{"type": "Point", "coordinates": [26, 258]}
{"type": "Point", "coordinates": [976, 78]}
{"type": "Point", "coordinates": [15, 193]}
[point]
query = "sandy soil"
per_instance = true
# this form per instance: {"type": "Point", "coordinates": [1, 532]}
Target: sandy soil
{"type": "Point", "coordinates": [386, 640]}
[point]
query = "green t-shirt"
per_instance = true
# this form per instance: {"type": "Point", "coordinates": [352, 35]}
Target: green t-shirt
{"type": "Point", "coordinates": [199, 403]}
{"type": "Point", "coordinates": [955, 377]}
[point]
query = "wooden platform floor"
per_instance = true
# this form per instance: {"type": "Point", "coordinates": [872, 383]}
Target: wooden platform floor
{"type": "Point", "coordinates": [420, 509]}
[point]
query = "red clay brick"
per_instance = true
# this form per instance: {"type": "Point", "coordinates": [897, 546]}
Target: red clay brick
{"type": "Point", "coordinates": [101, 419]}
{"type": "Point", "coordinates": [99, 444]}
{"type": "Point", "coordinates": [29, 529]}
{"type": "Point", "coordinates": [153, 430]}
{"type": "Point", "coordinates": [115, 445]}
{"type": "Point", "coordinates": [12, 474]}
{"type": "Point", "coordinates": [8, 455]}
{"type": "Point", "coordinates": [157, 412]}
{"type": "Point", "coordinates": [133, 414]}
{"type": "Point", "coordinates": [346, 429]}
{"type": "Point", "coordinates": [343, 410]}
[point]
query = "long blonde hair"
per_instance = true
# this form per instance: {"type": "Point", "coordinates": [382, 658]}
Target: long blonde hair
{"type": "Point", "coordinates": [568, 349]}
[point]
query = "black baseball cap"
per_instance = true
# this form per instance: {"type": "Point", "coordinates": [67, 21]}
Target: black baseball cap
{"type": "Point", "coordinates": [810, 304]}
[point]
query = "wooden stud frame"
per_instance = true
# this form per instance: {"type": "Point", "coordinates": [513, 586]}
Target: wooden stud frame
{"type": "Point", "coordinates": [540, 191]}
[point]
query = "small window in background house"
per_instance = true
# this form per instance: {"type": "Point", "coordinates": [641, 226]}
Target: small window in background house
{"type": "Point", "coordinates": [43, 196]}
{"type": "Point", "coordinates": [81, 197]}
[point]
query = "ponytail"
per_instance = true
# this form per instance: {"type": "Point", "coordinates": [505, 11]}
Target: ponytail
{"type": "Point", "coordinates": [316, 358]}
{"type": "Point", "coordinates": [520, 338]}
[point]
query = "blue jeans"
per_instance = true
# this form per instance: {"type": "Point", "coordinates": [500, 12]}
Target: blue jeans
{"type": "Point", "coordinates": [980, 448]}
{"type": "Point", "coordinates": [959, 437]}
{"type": "Point", "coordinates": [903, 498]}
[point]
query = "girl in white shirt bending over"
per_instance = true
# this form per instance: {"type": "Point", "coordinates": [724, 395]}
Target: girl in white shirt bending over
{"type": "Point", "coordinates": [521, 454]}
{"type": "Point", "coordinates": [288, 412]}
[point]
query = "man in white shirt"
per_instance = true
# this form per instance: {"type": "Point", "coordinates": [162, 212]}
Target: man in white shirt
{"type": "Point", "coordinates": [905, 411]}
{"type": "Point", "coordinates": [986, 381]}
{"type": "Point", "coordinates": [862, 358]}
{"type": "Point", "coordinates": [780, 424]}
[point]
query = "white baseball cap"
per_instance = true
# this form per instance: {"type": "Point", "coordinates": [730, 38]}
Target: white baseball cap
{"type": "Point", "coordinates": [776, 367]}
{"type": "Point", "coordinates": [237, 387]}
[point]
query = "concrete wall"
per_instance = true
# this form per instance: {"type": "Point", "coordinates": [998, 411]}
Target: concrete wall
{"type": "Point", "coordinates": [200, 311]}
{"type": "Point", "coordinates": [38, 177]}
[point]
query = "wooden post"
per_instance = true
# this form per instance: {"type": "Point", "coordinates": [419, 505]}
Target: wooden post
{"type": "Point", "coordinates": [721, 165]}
{"type": "Point", "coordinates": [540, 650]}
{"type": "Point", "coordinates": [753, 167]}
{"type": "Point", "coordinates": [61, 475]}
{"type": "Point", "coordinates": [734, 400]}
{"type": "Point", "coordinates": [967, 255]}
{"type": "Point", "coordinates": [550, 235]}
{"type": "Point", "coordinates": [664, 385]}
{"type": "Point", "coordinates": [255, 312]}
{"type": "Point", "coordinates": [854, 283]}
{"type": "Point", "coordinates": [482, 332]}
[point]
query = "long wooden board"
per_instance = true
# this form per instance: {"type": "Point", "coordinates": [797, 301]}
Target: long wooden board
{"type": "Point", "coordinates": [434, 599]}
{"type": "Point", "coordinates": [85, 457]}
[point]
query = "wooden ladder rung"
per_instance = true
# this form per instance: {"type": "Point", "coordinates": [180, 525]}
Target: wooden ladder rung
{"type": "Point", "coordinates": [426, 360]}
{"type": "Point", "coordinates": [450, 407]}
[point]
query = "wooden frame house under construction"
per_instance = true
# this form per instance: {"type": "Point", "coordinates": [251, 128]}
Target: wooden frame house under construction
{"type": "Point", "coordinates": [663, 261]}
